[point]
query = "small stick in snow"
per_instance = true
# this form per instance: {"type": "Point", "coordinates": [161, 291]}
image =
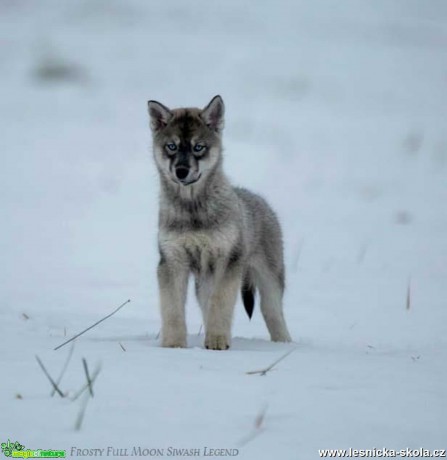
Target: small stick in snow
{"type": "Point", "coordinates": [122, 347]}
{"type": "Point", "coordinates": [93, 325]}
{"type": "Point", "coordinates": [259, 420]}
{"type": "Point", "coordinates": [258, 427]}
{"type": "Point", "coordinates": [87, 375]}
{"type": "Point", "coordinates": [269, 368]}
{"type": "Point", "coordinates": [81, 413]}
{"type": "Point", "coordinates": [409, 294]}
{"type": "Point", "coordinates": [92, 381]}
{"type": "Point", "coordinates": [56, 388]}
{"type": "Point", "coordinates": [25, 316]}
{"type": "Point", "coordinates": [67, 361]}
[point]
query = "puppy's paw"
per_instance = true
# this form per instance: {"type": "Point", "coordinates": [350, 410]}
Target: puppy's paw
{"type": "Point", "coordinates": [173, 341]}
{"type": "Point", "coordinates": [283, 337]}
{"type": "Point", "coordinates": [216, 342]}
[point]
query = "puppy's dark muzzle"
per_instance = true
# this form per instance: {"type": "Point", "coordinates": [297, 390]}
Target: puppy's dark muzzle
{"type": "Point", "coordinates": [181, 172]}
{"type": "Point", "coordinates": [184, 175]}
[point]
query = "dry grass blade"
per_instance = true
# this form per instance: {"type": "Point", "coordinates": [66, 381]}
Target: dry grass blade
{"type": "Point", "coordinates": [297, 255]}
{"type": "Point", "coordinates": [93, 325]}
{"type": "Point", "coordinates": [67, 362]}
{"type": "Point", "coordinates": [269, 368]}
{"type": "Point", "coordinates": [84, 387]}
{"type": "Point", "coordinates": [257, 428]}
{"type": "Point", "coordinates": [81, 413]}
{"type": "Point", "coordinates": [361, 254]}
{"type": "Point", "coordinates": [87, 376]}
{"type": "Point", "coordinates": [56, 388]}
{"type": "Point", "coordinates": [259, 420]}
{"type": "Point", "coordinates": [409, 295]}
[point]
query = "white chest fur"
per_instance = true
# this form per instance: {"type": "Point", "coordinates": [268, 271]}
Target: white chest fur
{"type": "Point", "coordinates": [204, 246]}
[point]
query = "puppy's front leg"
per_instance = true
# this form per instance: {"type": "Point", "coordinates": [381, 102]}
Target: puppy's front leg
{"type": "Point", "coordinates": [173, 283]}
{"type": "Point", "coordinates": [221, 307]}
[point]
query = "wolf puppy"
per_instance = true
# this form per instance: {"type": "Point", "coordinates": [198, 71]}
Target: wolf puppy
{"type": "Point", "coordinates": [228, 237]}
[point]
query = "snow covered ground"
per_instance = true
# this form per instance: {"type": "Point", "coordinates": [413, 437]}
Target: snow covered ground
{"type": "Point", "coordinates": [336, 113]}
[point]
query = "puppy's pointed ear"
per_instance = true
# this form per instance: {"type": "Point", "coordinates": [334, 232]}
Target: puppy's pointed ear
{"type": "Point", "coordinates": [213, 114]}
{"type": "Point", "coordinates": [159, 115]}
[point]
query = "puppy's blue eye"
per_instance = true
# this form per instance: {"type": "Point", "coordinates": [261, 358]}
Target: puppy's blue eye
{"type": "Point", "coordinates": [171, 146]}
{"type": "Point", "coordinates": [198, 147]}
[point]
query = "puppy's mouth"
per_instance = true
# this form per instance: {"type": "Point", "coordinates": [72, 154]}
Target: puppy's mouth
{"type": "Point", "coordinates": [191, 180]}
{"type": "Point", "coordinates": [187, 180]}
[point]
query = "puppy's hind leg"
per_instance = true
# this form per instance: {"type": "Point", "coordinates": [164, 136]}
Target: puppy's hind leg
{"type": "Point", "coordinates": [271, 292]}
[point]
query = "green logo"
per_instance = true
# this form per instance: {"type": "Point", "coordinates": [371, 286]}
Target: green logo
{"type": "Point", "coordinates": [17, 450]}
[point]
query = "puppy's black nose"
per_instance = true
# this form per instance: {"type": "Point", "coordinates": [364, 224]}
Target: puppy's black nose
{"type": "Point", "coordinates": [181, 172]}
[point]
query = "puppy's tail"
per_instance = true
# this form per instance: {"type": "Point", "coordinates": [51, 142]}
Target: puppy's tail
{"type": "Point", "coordinates": [248, 294]}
